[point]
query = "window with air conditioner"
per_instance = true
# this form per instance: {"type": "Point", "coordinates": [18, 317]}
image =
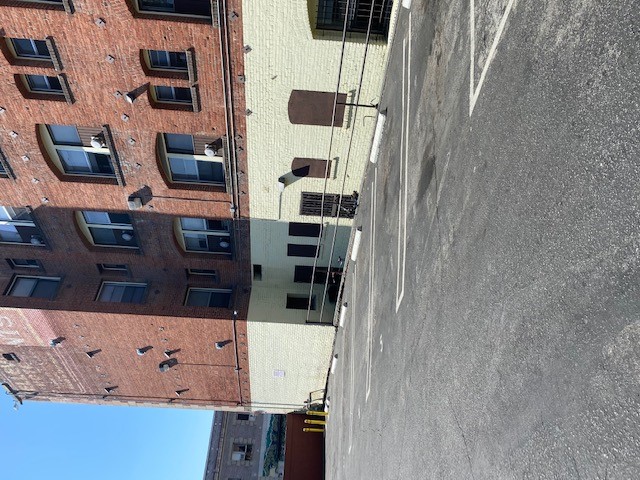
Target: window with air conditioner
{"type": "Point", "coordinates": [78, 151]}
{"type": "Point", "coordinates": [202, 235]}
{"type": "Point", "coordinates": [241, 452]}
{"type": "Point", "coordinates": [186, 165]}
{"type": "Point", "coordinates": [18, 226]}
{"type": "Point", "coordinates": [108, 229]}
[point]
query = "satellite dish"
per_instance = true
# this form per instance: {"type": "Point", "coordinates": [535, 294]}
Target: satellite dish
{"type": "Point", "coordinates": [224, 244]}
{"type": "Point", "coordinates": [97, 142]}
{"type": "Point", "coordinates": [127, 237]}
{"type": "Point", "coordinates": [209, 151]}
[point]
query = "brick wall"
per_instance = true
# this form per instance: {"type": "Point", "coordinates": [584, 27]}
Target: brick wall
{"type": "Point", "coordinates": [162, 321]}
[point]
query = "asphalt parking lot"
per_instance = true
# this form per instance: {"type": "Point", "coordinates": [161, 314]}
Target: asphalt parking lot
{"type": "Point", "coordinates": [493, 328]}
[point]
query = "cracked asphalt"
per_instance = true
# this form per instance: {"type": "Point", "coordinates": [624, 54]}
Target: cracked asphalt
{"type": "Point", "coordinates": [502, 338]}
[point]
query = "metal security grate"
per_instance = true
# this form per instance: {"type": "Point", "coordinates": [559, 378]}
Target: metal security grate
{"type": "Point", "coordinates": [311, 204]}
{"type": "Point", "coordinates": [331, 14]}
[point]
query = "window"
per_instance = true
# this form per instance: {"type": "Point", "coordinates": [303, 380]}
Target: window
{"type": "Point", "coordinates": [304, 229]}
{"type": "Point", "coordinates": [303, 273]}
{"type": "Point", "coordinates": [173, 94]}
{"type": "Point", "coordinates": [203, 235]}
{"type": "Point", "coordinates": [17, 226]}
{"type": "Point", "coordinates": [75, 156]}
{"type": "Point", "coordinates": [113, 268]}
{"type": "Point", "coordinates": [185, 166]}
{"type": "Point", "coordinates": [165, 60]}
{"type": "Point", "coordinates": [296, 250]}
{"type": "Point", "coordinates": [241, 452]}
{"type": "Point", "coordinates": [311, 204]}
{"type": "Point", "coordinates": [5, 168]}
{"type": "Point", "coordinates": [257, 272]}
{"type": "Point", "coordinates": [23, 263]}
{"type": "Point", "coordinates": [29, 48]}
{"type": "Point", "coordinates": [11, 357]}
{"type": "Point", "coordinates": [109, 229]}
{"type": "Point", "coordinates": [199, 8]}
{"type": "Point", "coordinates": [36, 287]}
{"type": "Point", "coordinates": [44, 84]}
{"type": "Point", "coordinates": [300, 302]}
{"type": "Point", "coordinates": [331, 15]}
{"type": "Point", "coordinates": [208, 297]}
{"type": "Point", "coordinates": [245, 417]}
{"type": "Point", "coordinates": [50, 3]}
{"type": "Point", "coordinates": [122, 292]}
{"type": "Point", "coordinates": [201, 272]}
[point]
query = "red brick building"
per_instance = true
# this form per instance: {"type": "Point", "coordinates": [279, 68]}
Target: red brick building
{"type": "Point", "coordinates": [125, 267]}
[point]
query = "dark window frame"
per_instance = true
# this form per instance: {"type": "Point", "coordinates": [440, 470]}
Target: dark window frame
{"type": "Point", "coordinates": [135, 298]}
{"type": "Point", "coordinates": [16, 278]}
{"type": "Point", "coordinates": [304, 229]}
{"type": "Point", "coordinates": [331, 15]}
{"type": "Point", "coordinates": [211, 291]}
{"type": "Point", "coordinates": [296, 301]}
{"type": "Point", "coordinates": [302, 250]}
{"type": "Point", "coordinates": [14, 266]}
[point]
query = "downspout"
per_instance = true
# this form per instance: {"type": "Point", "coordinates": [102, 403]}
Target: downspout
{"type": "Point", "coordinates": [225, 63]}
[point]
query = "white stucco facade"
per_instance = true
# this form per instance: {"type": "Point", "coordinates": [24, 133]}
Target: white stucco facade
{"type": "Point", "coordinates": [289, 354]}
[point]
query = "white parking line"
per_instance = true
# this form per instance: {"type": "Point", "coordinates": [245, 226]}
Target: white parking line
{"type": "Point", "coordinates": [352, 363]}
{"type": "Point", "coordinates": [404, 167]}
{"type": "Point", "coordinates": [473, 94]}
{"type": "Point", "coordinates": [372, 246]}
{"type": "Point", "coordinates": [404, 60]}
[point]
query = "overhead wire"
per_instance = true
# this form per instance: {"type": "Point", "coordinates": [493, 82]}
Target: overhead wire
{"type": "Point", "coordinates": [348, 155]}
{"type": "Point", "coordinates": [326, 167]}
{"type": "Point", "coordinates": [347, 158]}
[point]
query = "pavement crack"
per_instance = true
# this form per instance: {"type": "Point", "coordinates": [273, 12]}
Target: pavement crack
{"type": "Point", "coordinates": [464, 438]}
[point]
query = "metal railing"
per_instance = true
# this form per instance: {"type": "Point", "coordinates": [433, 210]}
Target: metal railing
{"type": "Point", "coordinates": [331, 15]}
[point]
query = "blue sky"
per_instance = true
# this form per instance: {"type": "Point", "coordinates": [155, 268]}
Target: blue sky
{"type": "Point", "coordinates": [68, 441]}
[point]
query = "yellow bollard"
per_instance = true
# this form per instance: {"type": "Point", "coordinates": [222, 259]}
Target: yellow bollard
{"type": "Point", "coordinates": [315, 422]}
{"type": "Point", "coordinates": [319, 414]}
{"type": "Point", "coordinates": [314, 430]}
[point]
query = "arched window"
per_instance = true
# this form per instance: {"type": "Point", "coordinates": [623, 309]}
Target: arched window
{"type": "Point", "coordinates": [78, 151]}
{"type": "Point", "coordinates": [189, 160]}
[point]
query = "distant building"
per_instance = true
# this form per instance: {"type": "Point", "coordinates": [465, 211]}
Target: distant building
{"type": "Point", "coordinates": [172, 222]}
{"type": "Point", "coordinates": [246, 446]}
